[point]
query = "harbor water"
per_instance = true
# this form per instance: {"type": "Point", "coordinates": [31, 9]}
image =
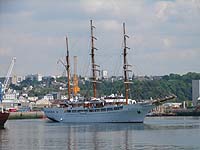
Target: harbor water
{"type": "Point", "coordinates": [155, 133]}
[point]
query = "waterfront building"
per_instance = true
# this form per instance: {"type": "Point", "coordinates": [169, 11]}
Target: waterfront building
{"type": "Point", "coordinates": [33, 98]}
{"type": "Point", "coordinates": [37, 77]}
{"type": "Point", "coordinates": [105, 74]}
{"type": "Point", "coordinates": [56, 95]}
{"type": "Point", "coordinates": [48, 97]}
{"type": "Point", "coordinates": [63, 97]}
{"type": "Point", "coordinates": [195, 91]}
{"type": "Point", "coordinates": [11, 100]}
{"type": "Point", "coordinates": [14, 79]}
{"type": "Point", "coordinates": [20, 79]}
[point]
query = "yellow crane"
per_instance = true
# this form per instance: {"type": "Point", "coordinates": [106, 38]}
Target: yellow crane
{"type": "Point", "coordinates": [76, 88]}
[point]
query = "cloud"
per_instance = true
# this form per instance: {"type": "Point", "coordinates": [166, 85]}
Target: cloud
{"type": "Point", "coordinates": [167, 42]}
{"type": "Point", "coordinates": [96, 7]}
{"type": "Point", "coordinates": [163, 8]}
{"type": "Point", "coordinates": [161, 33]}
{"type": "Point", "coordinates": [110, 25]}
{"type": "Point", "coordinates": [4, 52]}
{"type": "Point", "coordinates": [167, 61]}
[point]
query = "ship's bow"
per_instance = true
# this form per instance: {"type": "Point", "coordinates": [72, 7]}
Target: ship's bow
{"type": "Point", "coordinates": [3, 118]}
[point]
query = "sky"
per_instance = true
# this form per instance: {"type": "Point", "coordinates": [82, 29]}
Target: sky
{"type": "Point", "coordinates": [164, 35]}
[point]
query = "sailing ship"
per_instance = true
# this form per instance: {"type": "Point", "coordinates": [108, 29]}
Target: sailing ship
{"type": "Point", "coordinates": [97, 109]}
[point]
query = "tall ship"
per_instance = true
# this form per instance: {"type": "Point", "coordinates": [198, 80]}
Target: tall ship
{"type": "Point", "coordinates": [110, 110]}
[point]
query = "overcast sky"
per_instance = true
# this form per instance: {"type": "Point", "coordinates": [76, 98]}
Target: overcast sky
{"type": "Point", "coordinates": [164, 35]}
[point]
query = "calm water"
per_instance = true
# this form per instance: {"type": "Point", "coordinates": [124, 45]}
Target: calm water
{"type": "Point", "coordinates": [156, 133]}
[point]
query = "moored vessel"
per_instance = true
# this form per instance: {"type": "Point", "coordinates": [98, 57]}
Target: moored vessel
{"type": "Point", "coordinates": [3, 87]}
{"type": "Point", "coordinates": [3, 114]}
{"type": "Point", "coordinates": [3, 118]}
{"type": "Point", "coordinates": [102, 110]}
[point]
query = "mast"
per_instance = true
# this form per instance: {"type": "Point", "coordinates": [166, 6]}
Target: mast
{"type": "Point", "coordinates": [68, 71]}
{"type": "Point", "coordinates": [94, 80]}
{"type": "Point", "coordinates": [125, 67]}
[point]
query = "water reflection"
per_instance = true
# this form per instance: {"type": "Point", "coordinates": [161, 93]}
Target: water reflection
{"type": "Point", "coordinates": [155, 133]}
{"type": "Point", "coordinates": [3, 138]}
{"type": "Point", "coordinates": [100, 136]}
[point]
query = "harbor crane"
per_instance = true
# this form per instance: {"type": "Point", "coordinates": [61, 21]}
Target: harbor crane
{"type": "Point", "coordinates": [5, 85]}
{"type": "Point", "coordinates": [75, 87]}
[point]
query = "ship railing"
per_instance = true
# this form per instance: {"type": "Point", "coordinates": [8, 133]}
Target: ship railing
{"type": "Point", "coordinates": [93, 109]}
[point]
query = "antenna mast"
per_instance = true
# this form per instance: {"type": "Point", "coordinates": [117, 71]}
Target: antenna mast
{"type": "Point", "coordinates": [125, 67]}
{"type": "Point", "coordinates": [68, 71]}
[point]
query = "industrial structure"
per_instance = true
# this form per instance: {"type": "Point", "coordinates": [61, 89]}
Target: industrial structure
{"type": "Point", "coordinates": [76, 89]}
{"type": "Point", "coordinates": [195, 92]}
{"type": "Point", "coordinates": [5, 85]}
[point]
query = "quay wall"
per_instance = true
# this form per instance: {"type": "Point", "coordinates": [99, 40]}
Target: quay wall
{"type": "Point", "coordinates": [27, 115]}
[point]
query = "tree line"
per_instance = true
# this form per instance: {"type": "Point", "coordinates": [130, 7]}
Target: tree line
{"type": "Point", "coordinates": [180, 85]}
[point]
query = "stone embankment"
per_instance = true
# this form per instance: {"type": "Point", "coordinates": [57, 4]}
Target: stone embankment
{"type": "Point", "coordinates": [27, 115]}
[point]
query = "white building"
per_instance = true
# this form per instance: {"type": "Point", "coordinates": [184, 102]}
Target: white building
{"type": "Point", "coordinates": [105, 74]}
{"type": "Point", "coordinates": [195, 91]}
{"type": "Point", "coordinates": [20, 78]}
{"type": "Point", "coordinates": [37, 77]}
{"type": "Point", "coordinates": [17, 79]}
{"type": "Point", "coordinates": [10, 100]}
{"type": "Point", "coordinates": [63, 97]}
{"type": "Point", "coordinates": [14, 79]}
{"type": "Point", "coordinates": [10, 96]}
{"type": "Point", "coordinates": [48, 97]}
{"type": "Point", "coordinates": [33, 99]}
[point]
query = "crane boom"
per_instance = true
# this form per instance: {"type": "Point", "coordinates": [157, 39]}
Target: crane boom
{"type": "Point", "coordinates": [60, 60]}
{"type": "Point", "coordinates": [4, 86]}
{"type": "Point", "coordinates": [9, 73]}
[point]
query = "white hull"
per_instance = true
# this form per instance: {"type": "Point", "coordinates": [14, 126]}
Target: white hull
{"type": "Point", "coordinates": [127, 113]}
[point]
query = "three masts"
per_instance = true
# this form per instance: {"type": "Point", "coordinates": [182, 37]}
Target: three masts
{"type": "Point", "coordinates": [94, 67]}
{"type": "Point", "coordinates": [99, 110]}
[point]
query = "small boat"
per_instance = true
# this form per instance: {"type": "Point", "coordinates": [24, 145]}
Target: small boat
{"type": "Point", "coordinates": [110, 110]}
{"type": "Point", "coordinates": [3, 114]}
